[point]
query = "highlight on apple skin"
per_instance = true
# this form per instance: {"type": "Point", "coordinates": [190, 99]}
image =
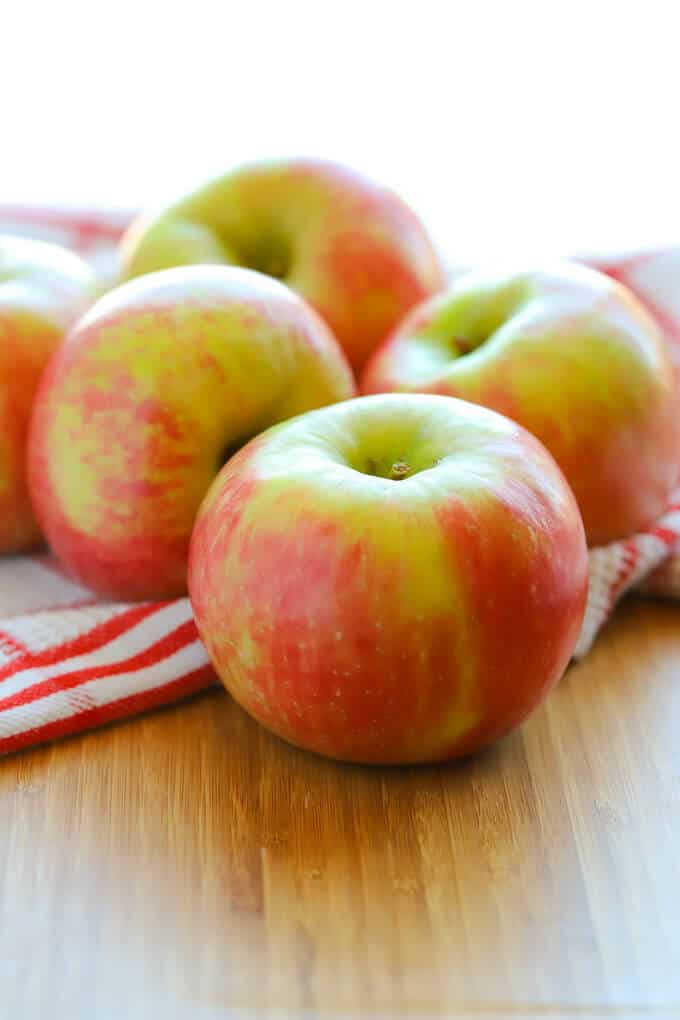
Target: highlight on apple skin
{"type": "Point", "coordinates": [148, 396]}
{"type": "Point", "coordinates": [350, 247]}
{"type": "Point", "coordinates": [43, 289]}
{"type": "Point", "coordinates": [573, 357]}
{"type": "Point", "coordinates": [392, 579]}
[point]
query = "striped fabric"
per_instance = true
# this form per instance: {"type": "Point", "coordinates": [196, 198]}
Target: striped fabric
{"type": "Point", "coordinates": [69, 662]}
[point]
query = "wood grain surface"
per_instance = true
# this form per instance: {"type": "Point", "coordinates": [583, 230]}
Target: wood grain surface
{"type": "Point", "coordinates": [187, 864]}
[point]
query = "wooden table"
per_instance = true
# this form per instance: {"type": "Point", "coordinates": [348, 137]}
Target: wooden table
{"type": "Point", "coordinates": [188, 865]}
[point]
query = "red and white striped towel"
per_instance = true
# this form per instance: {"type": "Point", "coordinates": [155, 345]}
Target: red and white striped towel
{"type": "Point", "coordinates": [69, 662]}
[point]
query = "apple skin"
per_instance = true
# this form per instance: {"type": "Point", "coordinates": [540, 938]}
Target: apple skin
{"type": "Point", "coordinates": [387, 621]}
{"type": "Point", "coordinates": [43, 289]}
{"type": "Point", "coordinates": [573, 357]}
{"type": "Point", "coordinates": [147, 397]}
{"type": "Point", "coordinates": [348, 246]}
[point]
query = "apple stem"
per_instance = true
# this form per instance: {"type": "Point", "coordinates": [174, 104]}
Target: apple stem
{"type": "Point", "coordinates": [463, 345]}
{"type": "Point", "coordinates": [400, 469]}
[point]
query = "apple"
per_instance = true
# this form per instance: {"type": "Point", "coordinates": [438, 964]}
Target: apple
{"type": "Point", "coordinates": [147, 397]}
{"type": "Point", "coordinates": [350, 247]}
{"type": "Point", "coordinates": [397, 578]}
{"type": "Point", "coordinates": [573, 357]}
{"type": "Point", "coordinates": [43, 289]}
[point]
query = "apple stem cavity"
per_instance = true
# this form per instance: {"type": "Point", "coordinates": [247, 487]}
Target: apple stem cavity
{"type": "Point", "coordinates": [400, 469]}
{"type": "Point", "coordinates": [463, 345]}
{"type": "Point", "coordinates": [277, 268]}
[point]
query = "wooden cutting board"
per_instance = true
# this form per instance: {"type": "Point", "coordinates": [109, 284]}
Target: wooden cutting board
{"type": "Point", "coordinates": [189, 865]}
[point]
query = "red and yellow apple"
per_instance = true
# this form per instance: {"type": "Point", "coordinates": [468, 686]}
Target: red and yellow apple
{"type": "Point", "coordinates": [392, 579]}
{"type": "Point", "coordinates": [351, 248]}
{"type": "Point", "coordinates": [148, 396]}
{"type": "Point", "coordinates": [43, 289]}
{"type": "Point", "coordinates": [574, 358]}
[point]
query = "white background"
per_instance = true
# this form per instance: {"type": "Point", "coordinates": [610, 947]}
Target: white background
{"type": "Point", "coordinates": [513, 128]}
